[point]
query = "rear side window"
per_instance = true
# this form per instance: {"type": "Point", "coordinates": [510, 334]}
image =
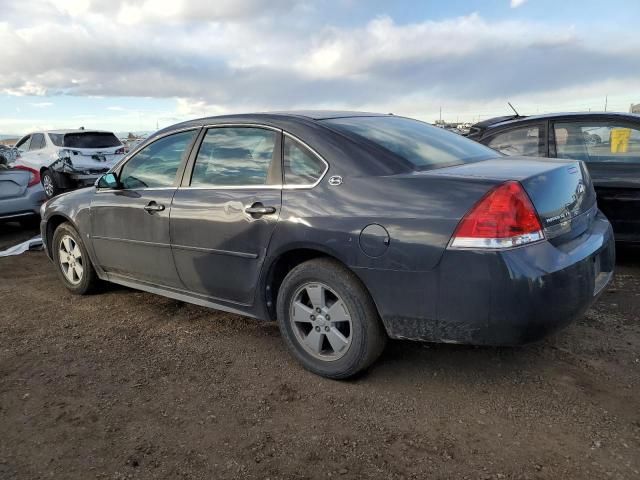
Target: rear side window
{"type": "Point", "coordinates": [156, 165]}
{"type": "Point", "coordinates": [37, 142]}
{"type": "Point", "coordinates": [597, 141]}
{"type": "Point", "coordinates": [90, 140]}
{"type": "Point", "coordinates": [234, 156]}
{"type": "Point", "coordinates": [301, 166]}
{"type": "Point", "coordinates": [57, 139]}
{"type": "Point", "coordinates": [418, 143]}
{"type": "Point", "coordinates": [528, 141]}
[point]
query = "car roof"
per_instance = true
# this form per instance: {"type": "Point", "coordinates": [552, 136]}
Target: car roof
{"type": "Point", "coordinates": [277, 117]}
{"type": "Point", "coordinates": [508, 120]}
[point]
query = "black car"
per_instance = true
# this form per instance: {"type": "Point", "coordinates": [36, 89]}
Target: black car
{"type": "Point", "coordinates": [347, 228]}
{"type": "Point", "coordinates": [609, 144]}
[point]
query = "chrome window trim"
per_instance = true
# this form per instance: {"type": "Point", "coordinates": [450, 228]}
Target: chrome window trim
{"type": "Point", "coordinates": [304, 144]}
{"type": "Point", "coordinates": [256, 125]}
{"type": "Point", "coordinates": [131, 154]}
{"type": "Point", "coordinates": [267, 187]}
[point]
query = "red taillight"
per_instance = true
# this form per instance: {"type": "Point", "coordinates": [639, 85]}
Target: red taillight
{"type": "Point", "coordinates": [35, 175]}
{"type": "Point", "coordinates": [504, 218]}
{"type": "Point", "coordinates": [120, 151]}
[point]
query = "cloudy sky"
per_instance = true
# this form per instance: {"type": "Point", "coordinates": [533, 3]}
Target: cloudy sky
{"type": "Point", "coordinates": [137, 64]}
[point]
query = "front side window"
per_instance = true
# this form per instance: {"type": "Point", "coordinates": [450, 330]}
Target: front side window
{"type": "Point", "coordinates": [157, 164]}
{"type": "Point", "coordinates": [597, 141]}
{"type": "Point", "coordinates": [235, 156]}
{"type": "Point", "coordinates": [23, 145]}
{"type": "Point", "coordinates": [301, 167]}
{"type": "Point", "coordinates": [37, 142]}
{"type": "Point", "coordinates": [526, 141]}
{"type": "Point", "coordinates": [418, 143]}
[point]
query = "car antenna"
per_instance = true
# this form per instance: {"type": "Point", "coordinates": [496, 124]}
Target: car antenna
{"type": "Point", "coordinates": [513, 108]}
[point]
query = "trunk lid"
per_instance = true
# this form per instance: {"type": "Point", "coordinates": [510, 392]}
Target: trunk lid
{"type": "Point", "coordinates": [561, 190]}
{"type": "Point", "coordinates": [13, 183]}
{"type": "Point", "coordinates": [93, 158]}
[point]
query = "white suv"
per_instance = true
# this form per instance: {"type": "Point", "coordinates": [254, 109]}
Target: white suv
{"type": "Point", "coordinates": [68, 159]}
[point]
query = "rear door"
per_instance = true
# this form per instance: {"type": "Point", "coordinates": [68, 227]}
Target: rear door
{"type": "Point", "coordinates": [130, 225]}
{"type": "Point", "coordinates": [225, 212]}
{"type": "Point", "coordinates": [611, 150]}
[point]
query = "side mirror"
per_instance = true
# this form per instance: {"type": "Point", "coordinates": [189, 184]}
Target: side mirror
{"type": "Point", "coordinates": [108, 180]}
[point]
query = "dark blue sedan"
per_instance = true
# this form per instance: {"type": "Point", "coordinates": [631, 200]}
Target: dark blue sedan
{"type": "Point", "coordinates": [348, 228]}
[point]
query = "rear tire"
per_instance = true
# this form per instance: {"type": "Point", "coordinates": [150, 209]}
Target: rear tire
{"type": "Point", "coordinates": [328, 320]}
{"type": "Point", "coordinates": [72, 261]}
{"type": "Point", "coordinates": [49, 184]}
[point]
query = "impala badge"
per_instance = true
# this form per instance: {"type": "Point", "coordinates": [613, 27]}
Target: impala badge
{"type": "Point", "coordinates": [335, 180]}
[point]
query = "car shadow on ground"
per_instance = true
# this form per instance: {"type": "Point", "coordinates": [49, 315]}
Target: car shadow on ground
{"type": "Point", "coordinates": [13, 233]}
{"type": "Point", "coordinates": [628, 255]}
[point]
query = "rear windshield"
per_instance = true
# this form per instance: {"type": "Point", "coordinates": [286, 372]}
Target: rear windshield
{"type": "Point", "coordinates": [85, 140]}
{"type": "Point", "coordinates": [422, 145]}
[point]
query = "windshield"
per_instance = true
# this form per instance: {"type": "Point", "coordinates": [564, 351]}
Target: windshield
{"type": "Point", "coordinates": [423, 145]}
{"type": "Point", "coordinates": [85, 140]}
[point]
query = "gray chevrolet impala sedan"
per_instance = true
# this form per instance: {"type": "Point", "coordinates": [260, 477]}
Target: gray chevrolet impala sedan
{"type": "Point", "coordinates": [348, 228]}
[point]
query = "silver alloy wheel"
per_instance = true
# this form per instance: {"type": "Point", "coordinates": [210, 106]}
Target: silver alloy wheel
{"type": "Point", "coordinates": [47, 184]}
{"type": "Point", "coordinates": [321, 321]}
{"type": "Point", "coordinates": [70, 259]}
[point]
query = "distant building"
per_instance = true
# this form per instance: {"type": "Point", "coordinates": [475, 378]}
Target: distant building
{"type": "Point", "coordinates": [635, 108]}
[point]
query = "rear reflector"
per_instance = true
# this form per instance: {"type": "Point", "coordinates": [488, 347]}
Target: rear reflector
{"type": "Point", "coordinates": [35, 175]}
{"type": "Point", "coordinates": [503, 218]}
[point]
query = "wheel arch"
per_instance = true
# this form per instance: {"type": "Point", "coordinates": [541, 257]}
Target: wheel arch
{"type": "Point", "coordinates": [53, 222]}
{"type": "Point", "coordinates": [285, 261]}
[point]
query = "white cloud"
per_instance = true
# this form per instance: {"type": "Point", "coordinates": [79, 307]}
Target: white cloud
{"type": "Point", "coordinates": [517, 3]}
{"type": "Point", "coordinates": [41, 104]}
{"type": "Point", "coordinates": [231, 56]}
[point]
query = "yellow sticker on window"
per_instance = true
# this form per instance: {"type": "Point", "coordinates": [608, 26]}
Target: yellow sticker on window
{"type": "Point", "coordinates": [620, 140]}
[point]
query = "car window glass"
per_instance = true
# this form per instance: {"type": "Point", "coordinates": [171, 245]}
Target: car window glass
{"type": "Point", "coordinates": [56, 139]}
{"type": "Point", "coordinates": [24, 143]}
{"type": "Point", "coordinates": [520, 141]}
{"type": "Point", "coordinates": [156, 165]}
{"type": "Point", "coordinates": [422, 145]}
{"type": "Point", "coordinates": [597, 141]}
{"type": "Point", "coordinates": [234, 156]}
{"type": "Point", "coordinates": [301, 167]}
{"type": "Point", "coordinates": [37, 142]}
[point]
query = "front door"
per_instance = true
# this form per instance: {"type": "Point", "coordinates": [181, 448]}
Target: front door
{"type": "Point", "coordinates": [225, 212]}
{"type": "Point", "coordinates": [611, 151]}
{"type": "Point", "coordinates": [130, 224]}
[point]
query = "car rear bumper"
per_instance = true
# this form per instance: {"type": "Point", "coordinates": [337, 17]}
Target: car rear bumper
{"type": "Point", "coordinates": [507, 297]}
{"type": "Point", "coordinates": [24, 206]}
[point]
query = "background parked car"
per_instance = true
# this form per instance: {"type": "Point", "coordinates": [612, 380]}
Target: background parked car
{"type": "Point", "coordinates": [68, 159]}
{"type": "Point", "coordinates": [346, 228]}
{"type": "Point", "coordinates": [609, 144]}
{"type": "Point", "coordinates": [20, 195]}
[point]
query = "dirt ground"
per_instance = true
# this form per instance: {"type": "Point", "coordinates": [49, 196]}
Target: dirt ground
{"type": "Point", "coordinates": [125, 384]}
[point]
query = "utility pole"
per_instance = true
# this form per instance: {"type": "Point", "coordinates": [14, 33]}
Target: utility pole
{"type": "Point", "coordinates": [441, 115]}
{"type": "Point", "coordinates": [606, 101]}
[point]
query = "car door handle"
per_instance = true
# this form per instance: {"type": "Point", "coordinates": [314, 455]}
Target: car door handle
{"type": "Point", "coordinates": [153, 207]}
{"type": "Point", "coordinates": [259, 209]}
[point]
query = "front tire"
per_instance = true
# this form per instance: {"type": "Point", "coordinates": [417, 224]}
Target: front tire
{"type": "Point", "coordinates": [328, 320]}
{"type": "Point", "coordinates": [49, 184]}
{"type": "Point", "coordinates": [72, 261]}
